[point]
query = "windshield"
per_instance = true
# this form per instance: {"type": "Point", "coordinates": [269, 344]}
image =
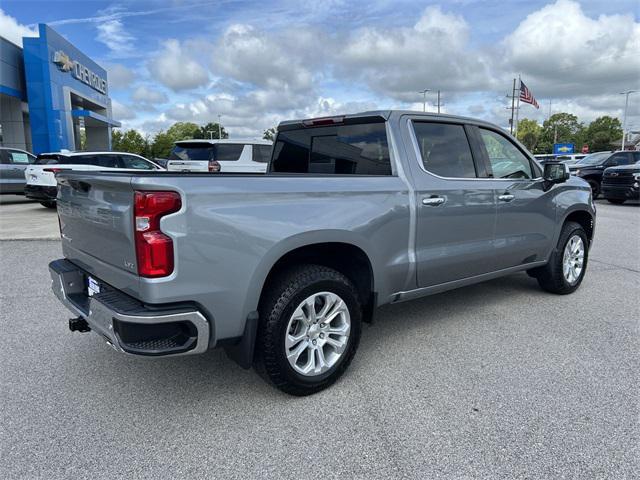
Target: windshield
{"type": "Point", "coordinates": [594, 158]}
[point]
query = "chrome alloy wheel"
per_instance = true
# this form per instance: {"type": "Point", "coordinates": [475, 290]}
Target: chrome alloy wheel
{"type": "Point", "coordinates": [317, 333]}
{"type": "Point", "coordinates": [573, 259]}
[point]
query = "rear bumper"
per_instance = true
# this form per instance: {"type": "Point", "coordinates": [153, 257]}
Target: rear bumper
{"type": "Point", "coordinates": [40, 192]}
{"type": "Point", "coordinates": [621, 192]}
{"type": "Point", "coordinates": [128, 325]}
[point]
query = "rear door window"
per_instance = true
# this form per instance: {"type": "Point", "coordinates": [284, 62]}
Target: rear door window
{"type": "Point", "coordinates": [359, 149]}
{"type": "Point", "coordinates": [506, 160]}
{"type": "Point", "coordinates": [444, 149]}
{"type": "Point", "coordinates": [261, 153]}
{"type": "Point", "coordinates": [108, 161]}
{"type": "Point", "coordinates": [621, 158]}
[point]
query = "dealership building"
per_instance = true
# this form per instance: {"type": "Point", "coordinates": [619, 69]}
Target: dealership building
{"type": "Point", "coordinates": [52, 96]}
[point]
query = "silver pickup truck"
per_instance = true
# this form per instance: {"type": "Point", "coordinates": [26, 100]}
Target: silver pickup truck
{"type": "Point", "coordinates": [281, 269]}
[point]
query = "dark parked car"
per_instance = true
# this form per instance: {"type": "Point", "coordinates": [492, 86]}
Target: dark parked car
{"type": "Point", "coordinates": [591, 167]}
{"type": "Point", "coordinates": [13, 162]}
{"type": "Point", "coordinates": [620, 184]}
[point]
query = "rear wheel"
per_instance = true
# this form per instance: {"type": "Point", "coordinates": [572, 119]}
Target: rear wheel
{"type": "Point", "coordinates": [616, 201]}
{"type": "Point", "coordinates": [595, 188]}
{"type": "Point", "coordinates": [49, 204]}
{"type": "Point", "coordinates": [310, 320]}
{"type": "Point", "coordinates": [568, 263]}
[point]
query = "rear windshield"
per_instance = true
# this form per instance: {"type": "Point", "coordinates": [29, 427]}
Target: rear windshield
{"type": "Point", "coordinates": [340, 150]}
{"type": "Point", "coordinates": [203, 151]}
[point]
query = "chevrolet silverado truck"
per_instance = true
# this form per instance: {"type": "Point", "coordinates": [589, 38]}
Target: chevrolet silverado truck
{"type": "Point", "coordinates": [282, 269]}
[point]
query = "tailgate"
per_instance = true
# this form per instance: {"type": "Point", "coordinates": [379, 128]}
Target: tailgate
{"type": "Point", "coordinates": [35, 175]}
{"type": "Point", "coordinates": [96, 225]}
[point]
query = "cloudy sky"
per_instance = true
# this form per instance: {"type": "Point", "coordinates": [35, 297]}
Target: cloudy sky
{"type": "Point", "coordinates": [258, 62]}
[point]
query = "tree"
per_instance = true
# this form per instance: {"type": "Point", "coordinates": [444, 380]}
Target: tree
{"type": "Point", "coordinates": [162, 145]}
{"type": "Point", "coordinates": [529, 132]}
{"type": "Point", "coordinates": [270, 134]}
{"type": "Point", "coordinates": [560, 128]}
{"type": "Point", "coordinates": [183, 131]}
{"type": "Point", "coordinates": [602, 132]}
{"type": "Point", "coordinates": [130, 141]}
{"type": "Point", "coordinates": [212, 130]}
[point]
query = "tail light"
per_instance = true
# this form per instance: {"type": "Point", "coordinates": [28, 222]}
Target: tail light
{"type": "Point", "coordinates": [214, 167]}
{"type": "Point", "coordinates": [55, 170]}
{"type": "Point", "coordinates": [154, 249]}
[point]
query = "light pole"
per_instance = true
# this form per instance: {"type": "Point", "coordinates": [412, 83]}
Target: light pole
{"type": "Point", "coordinates": [219, 128]}
{"type": "Point", "coordinates": [624, 117]}
{"type": "Point", "coordinates": [424, 98]}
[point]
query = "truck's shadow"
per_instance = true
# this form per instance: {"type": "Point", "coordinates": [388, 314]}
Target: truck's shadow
{"type": "Point", "coordinates": [214, 376]}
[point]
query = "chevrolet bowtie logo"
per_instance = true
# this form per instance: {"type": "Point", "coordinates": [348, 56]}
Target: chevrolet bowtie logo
{"type": "Point", "coordinates": [63, 61]}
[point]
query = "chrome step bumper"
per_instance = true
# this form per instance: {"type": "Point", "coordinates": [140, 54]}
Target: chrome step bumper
{"type": "Point", "coordinates": [128, 325]}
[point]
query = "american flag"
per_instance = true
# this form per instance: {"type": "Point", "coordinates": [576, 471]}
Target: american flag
{"type": "Point", "coordinates": [526, 96]}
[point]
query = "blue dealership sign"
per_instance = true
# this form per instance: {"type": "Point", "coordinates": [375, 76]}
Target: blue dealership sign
{"type": "Point", "coordinates": [562, 148]}
{"type": "Point", "coordinates": [63, 86]}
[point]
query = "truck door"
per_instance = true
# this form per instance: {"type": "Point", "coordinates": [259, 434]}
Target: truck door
{"type": "Point", "coordinates": [456, 207]}
{"type": "Point", "coordinates": [525, 222]}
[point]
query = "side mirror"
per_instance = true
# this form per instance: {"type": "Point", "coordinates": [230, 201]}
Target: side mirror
{"type": "Point", "coordinates": [555, 172]}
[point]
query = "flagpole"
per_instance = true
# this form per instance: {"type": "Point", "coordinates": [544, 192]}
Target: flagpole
{"type": "Point", "coordinates": [518, 106]}
{"type": "Point", "coordinates": [513, 99]}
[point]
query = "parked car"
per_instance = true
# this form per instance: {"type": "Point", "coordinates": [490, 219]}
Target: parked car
{"type": "Point", "coordinates": [622, 183]}
{"type": "Point", "coordinates": [13, 163]}
{"type": "Point", "coordinates": [572, 158]}
{"type": "Point", "coordinates": [227, 156]}
{"type": "Point", "coordinates": [41, 181]}
{"type": "Point", "coordinates": [281, 269]}
{"type": "Point", "coordinates": [545, 157]}
{"type": "Point", "coordinates": [590, 168]}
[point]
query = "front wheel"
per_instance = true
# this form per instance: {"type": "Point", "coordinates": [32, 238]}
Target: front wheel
{"type": "Point", "coordinates": [616, 201]}
{"type": "Point", "coordinates": [49, 204]}
{"type": "Point", "coordinates": [568, 262]}
{"type": "Point", "coordinates": [310, 321]}
{"type": "Point", "coordinates": [595, 188]}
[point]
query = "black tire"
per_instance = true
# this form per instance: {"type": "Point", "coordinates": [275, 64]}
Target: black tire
{"type": "Point", "coordinates": [550, 277]}
{"type": "Point", "coordinates": [616, 201]}
{"type": "Point", "coordinates": [281, 299]}
{"type": "Point", "coordinates": [595, 188]}
{"type": "Point", "coordinates": [49, 204]}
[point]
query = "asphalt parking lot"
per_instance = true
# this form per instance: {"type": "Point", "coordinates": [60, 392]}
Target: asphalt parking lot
{"type": "Point", "coordinates": [498, 380]}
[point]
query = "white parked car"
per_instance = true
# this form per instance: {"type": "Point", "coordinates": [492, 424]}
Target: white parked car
{"type": "Point", "coordinates": [41, 176]}
{"type": "Point", "coordinates": [224, 155]}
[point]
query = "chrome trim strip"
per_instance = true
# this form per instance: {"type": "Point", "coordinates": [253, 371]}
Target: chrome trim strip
{"type": "Point", "coordinates": [416, 147]}
{"type": "Point", "coordinates": [443, 287]}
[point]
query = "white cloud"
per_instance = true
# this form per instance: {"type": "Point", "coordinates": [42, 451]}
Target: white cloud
{"type": "Point", "coordinates": [14, 31]}
{"type": "Point", "coordinates": [118, 75]}
{"type": "Point", "coordinates": [433, 53]}
{"type": "Point", "coordinates": [114, 36]}
{"type": "Point", "coordinates": [267, 60]}
{"type": "Point", "coordinates": [174, 67]}
{"type": "Point", "coordinates": [148, 95]}
{"type": "Point", "coordinates": [121, 112]}
{"type": "Point", "coordinates": [566, 53]}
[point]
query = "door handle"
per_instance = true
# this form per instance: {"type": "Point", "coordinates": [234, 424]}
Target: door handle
{"type": "Point", "coordinates": [506, 197]}
{"type": "Point", "coordinates": [433, 201]}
